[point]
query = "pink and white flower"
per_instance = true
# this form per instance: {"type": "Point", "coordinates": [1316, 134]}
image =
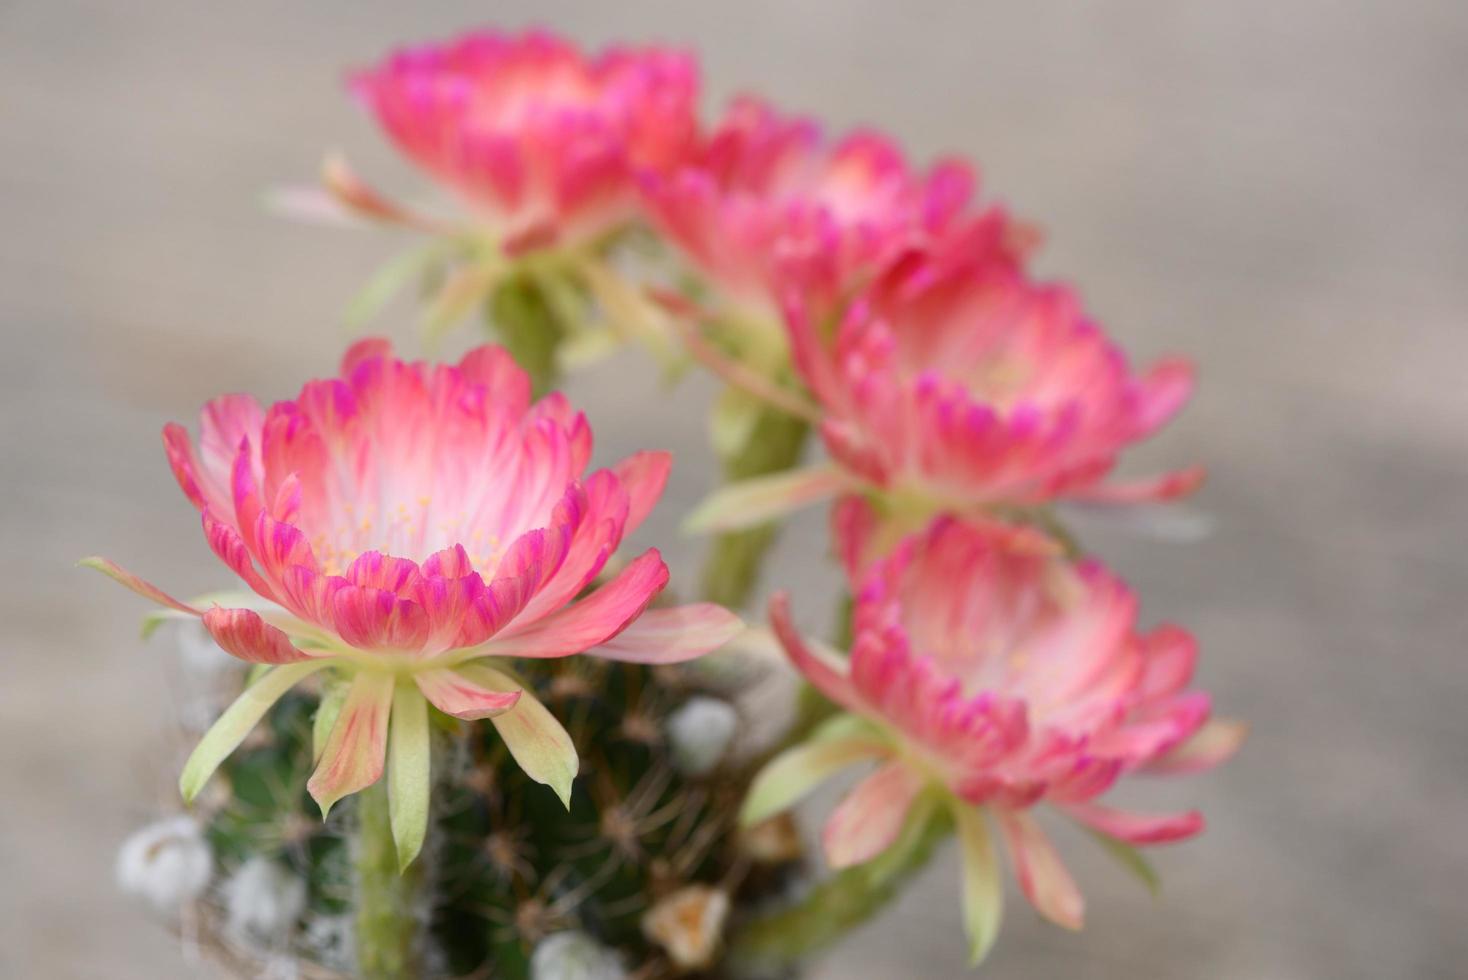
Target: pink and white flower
{"type": "Point", "coordinates": [956, 385]}
{"type": "Point", "coordinates": [991, 681]}
{"type": "Point", "coordinates": [770, 204]}
{"type": "Point", "coordinates": [543, 138]}
{"type": "Point", "coordinates": [408, 526]}
{"type": "Point", "coordinates": [967, 383]}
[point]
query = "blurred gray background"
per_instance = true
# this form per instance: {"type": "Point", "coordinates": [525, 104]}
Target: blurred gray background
{"type": "Point", "coordinates": [1277, 188]}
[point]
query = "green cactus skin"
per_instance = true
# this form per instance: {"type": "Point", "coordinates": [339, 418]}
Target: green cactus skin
{"type": "Point", "coordinates": [505, 864]}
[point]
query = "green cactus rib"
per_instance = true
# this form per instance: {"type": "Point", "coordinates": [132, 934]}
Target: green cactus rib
{"type": "Point", "coordinates": [506, 864]}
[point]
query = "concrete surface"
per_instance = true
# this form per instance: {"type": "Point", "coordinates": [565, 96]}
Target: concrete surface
{"type": "Point", "coordinates": [1280, 189]}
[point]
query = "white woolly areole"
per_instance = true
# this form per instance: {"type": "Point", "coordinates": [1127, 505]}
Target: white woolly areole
{"type": "Point", "coordinates": [263, 900]}
{"type": "Point", "coordinates": [168, 863]}
{"type": "Point", "coordinates": [574, 956]}
{"type": "Point", "coordinates": [700, 733]}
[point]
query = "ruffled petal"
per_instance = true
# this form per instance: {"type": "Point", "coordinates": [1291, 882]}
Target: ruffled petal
{"type": "Point", "coordinates": [591, 621]}
{"type": "Point", "coordinates": [672, 635]}
{"type": "Point", "coordinates": [454, 694]}
{"type": "Point", "coordinates": [643, 475]}
{"type": "Point", "coordinates": [375, 619]}
{"type": "Point", "coordinates": [832, 678]}
{"type": "Point", "coordinates": [1137, 828]}
{"type": "Point", "coordinates": [1211, 745]}
{"type": "Point", "coordinates": [242, 633]}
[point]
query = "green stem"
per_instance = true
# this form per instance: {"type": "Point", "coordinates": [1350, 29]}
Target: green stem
{"type": "Point", "coordinates": [387, 928]}
{"type": "Point", "coordinates": [528, 327]}
{"type": "Point", "coordinates": [731, 570]}
{"type": "Point", "coordinates": [843, 901]}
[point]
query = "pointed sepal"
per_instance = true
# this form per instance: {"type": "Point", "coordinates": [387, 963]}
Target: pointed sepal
{"type": "Point", "coordinates": [356, 750]}
{"type": "Point", "coordinates": [539, 743]}
{"type": "Point", "coordinates": [983, 898]}
{"type": "Point", "coordinates": [408, 763]}
{"type": "Point", "coordinates": [225, 735]}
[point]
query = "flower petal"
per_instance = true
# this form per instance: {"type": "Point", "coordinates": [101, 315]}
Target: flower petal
{"type": "Point", "coordinates": [241, 716]}
{"type": "Point", "coordinates": [454, 694]}
{"type": "Point", "coordinates": [643, 475]}
{"type": "Point", "coordinates": [1042, 876]}
{"type": "Point", "coordinates": [376, 619]}
{"type": "Point", "coordinates": [1211, 745]}
{"type": "Point", "coordinates": [242, 633]}
{"type": "Point", "coordinates": [147, 590]}
{"type": "Point", "coordinates": [821, 669]}
{"type": "Point", "coordinates": [793, 773]}
{"type": "Point", "coordinates": [1137, 828]}
{"type": "Point", "coordinates": [540, 744]}
{"type": "Point", "coordinates": [1165, 486]}
{"type": "Point", "coordinates": [408, 773]}
{"type": "Point", "coordinates": [749, 503]}
{"type": "Point", "coordinates": [593, 620]}
{"type": "Point", "coordinates": [355, 751]}
{"type": "Point", "coordinates": [672, 635]}
{"type": "Point", "coordinates": [871, 816]}
{"type": "Point", "coordinates": [983, 899]}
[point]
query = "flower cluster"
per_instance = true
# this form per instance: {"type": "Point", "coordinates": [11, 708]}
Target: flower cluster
{"type": "Point", "coordinates": [405, 528]}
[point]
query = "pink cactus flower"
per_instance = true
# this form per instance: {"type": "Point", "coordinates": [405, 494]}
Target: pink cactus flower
{"type": "Point", "coordinates": [955, 385]}
{"type": "Point", "coordinates": [542, 137]}
{"type": "Point", "coordinates": [770, 204]}
{"type": "Point", "coordinates": [991, 681]}
{"type": "Point", "coordinates": [408, 526]}
{"type": "Point", "coordinates": [969, 384]}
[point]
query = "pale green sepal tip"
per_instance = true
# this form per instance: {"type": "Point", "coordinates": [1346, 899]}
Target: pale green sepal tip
{"type": "Point", "coordinates": [408, 775]}
{"type": "Point", "coordinates": [538, 742]}
{"type": "Point", "coordinates": [1132, 860]}
{"type": "Point", "coordinates": [225, 735]}
{"type": "Point", "coordinates": [791, 775]}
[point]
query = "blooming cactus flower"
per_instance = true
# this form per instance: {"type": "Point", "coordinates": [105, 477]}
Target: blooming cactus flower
{"type": "Point", "coordinates": [408, 526]}
{"type": "Point", "coordinates": [542, 137]}
{"type": "Point", "coordinates": [957, 385]}
{"type": "Point", "coordinates": [995, 680]}
{"type": "Point", "coordinates": [770, 204]}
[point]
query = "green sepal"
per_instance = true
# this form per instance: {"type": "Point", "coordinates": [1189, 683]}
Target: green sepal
{"type": "Point", "coordinates": [1131, 859]}
{"type": "Point", "coordinates": [225, 735]}
{"type": "Point", "coordinates": [408, 763]}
